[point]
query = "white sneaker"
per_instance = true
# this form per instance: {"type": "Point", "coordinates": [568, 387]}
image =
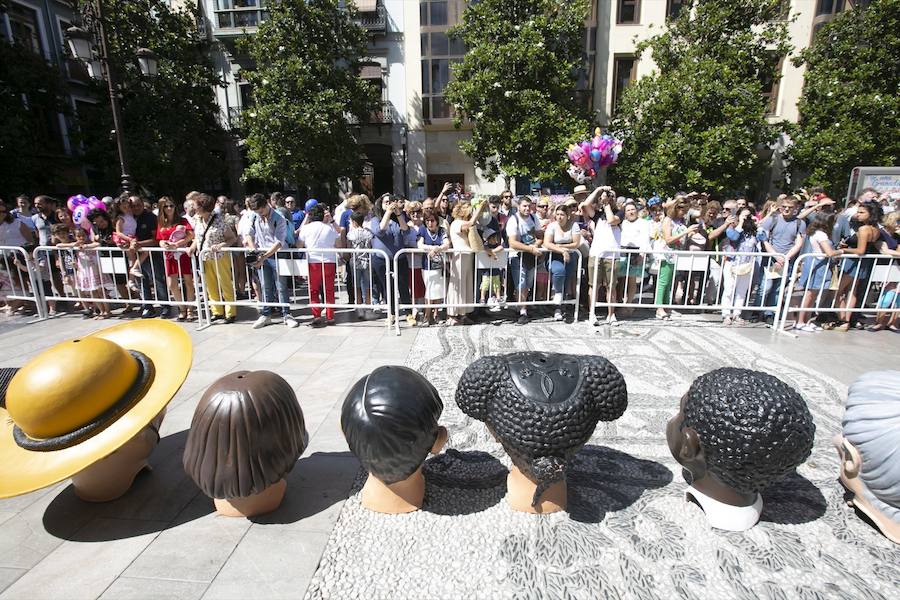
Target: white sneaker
{"type": "Point", "coordinates": [291, 322]}
{"type": "Point", "coordinates": [558, 316]}
{"type": "Point", "coordinates": [493, 305]}
{"type": "Point", "coordinates": [557, 298]}
{"type": "Point", "coordinates": [262, 321]}
{"type": "Point", "coordinates": [612, 321]}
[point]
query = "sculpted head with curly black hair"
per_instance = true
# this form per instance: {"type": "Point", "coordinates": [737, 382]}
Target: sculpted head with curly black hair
{"type": "Point", "coordinates": [542, 408]}
{"type": "Point", "coordinates": [246, 434]}
{"type": "Point", "coordinates": [737, 432]}
{"type": "Point", "coordinates": [390, 420]}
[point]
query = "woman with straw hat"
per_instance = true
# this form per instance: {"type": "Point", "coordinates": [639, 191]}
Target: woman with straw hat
{"type": "Point", "coordinates": [90, 409]}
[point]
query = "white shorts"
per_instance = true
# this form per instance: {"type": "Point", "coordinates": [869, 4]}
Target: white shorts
{"type": "Point", "coordinates": [434, 284]}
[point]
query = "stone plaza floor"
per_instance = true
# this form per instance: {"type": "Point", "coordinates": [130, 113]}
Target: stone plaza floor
{"type": "Point", "coordinates": [628, 535]}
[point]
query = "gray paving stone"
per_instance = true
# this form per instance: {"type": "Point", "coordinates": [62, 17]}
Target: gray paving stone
{"type": "Point", "coordinates": [194, 548]}
{"type": "Point", "coordinates": [9, 575]}
{"type": "Point", "coordinates": [132, 588]}
{"type": "Point", "coordinates": [77, 570]}
{"type": "Point", "coordinates": [269, 563]}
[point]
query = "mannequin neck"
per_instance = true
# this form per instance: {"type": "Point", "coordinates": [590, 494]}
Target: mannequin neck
{"type": "Point", "coordinates": [710, 486]}
{"type": "Point", "coordinates": [520, 491]}
{"type": "Point", "coordinates": [256, 504]}
{"type": "Point", "coordinates": [394, 498]}
{"type": "Point", "coordinates": [727, 516]}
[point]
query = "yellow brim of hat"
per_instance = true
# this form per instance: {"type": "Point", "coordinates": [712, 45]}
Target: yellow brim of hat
{"type": "Point", "coordinates": [168, 347]}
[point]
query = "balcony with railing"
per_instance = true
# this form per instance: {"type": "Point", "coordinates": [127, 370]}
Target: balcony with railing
{"type": "Point", "coordinates": [372, 15]}
{"type": "Point", "coordinates": [232, 17]}
{"type": "Point", "coordinates": [383, 115]}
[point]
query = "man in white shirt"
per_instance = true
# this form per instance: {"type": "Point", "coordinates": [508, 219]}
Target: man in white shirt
{"type": "Point", "coordinates": [603, 256]}
{"type": "Point", "coordinates": [267, 234]}
{"type": "Point", "coordinates": [315, 235]}
{"type": "Point", "coordinates": [523, 231]}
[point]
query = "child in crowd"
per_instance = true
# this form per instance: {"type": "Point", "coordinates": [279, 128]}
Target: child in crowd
{"type": "Point", "coordinates": [88, 280]}
{"type": "Point", "coordinates": [360, 238]}
{"type": "Point", "coordinates": [61, 236]}
{"type": "Point", "coordinates": [126, 232]}
{"type": "Point", "coordinates": [491, 277]}
{"type": "Point", "coordinates": [434, 239]}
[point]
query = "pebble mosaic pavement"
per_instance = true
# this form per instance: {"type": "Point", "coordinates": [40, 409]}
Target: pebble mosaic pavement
{"type": "Point", "coordinates": [629, 533]}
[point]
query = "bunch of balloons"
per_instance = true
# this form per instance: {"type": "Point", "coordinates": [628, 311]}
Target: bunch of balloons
{"type": "Point", "coordinates": [588, 156]}
{"type": "Point", "coordinates": [80, 206]}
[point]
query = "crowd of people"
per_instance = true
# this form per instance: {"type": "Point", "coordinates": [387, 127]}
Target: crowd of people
{"type": "Point", "coordinates": [452, 259]}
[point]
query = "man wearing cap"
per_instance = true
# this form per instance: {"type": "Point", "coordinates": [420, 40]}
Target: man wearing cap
{"type": "Point", "coordinates": [90, 409]}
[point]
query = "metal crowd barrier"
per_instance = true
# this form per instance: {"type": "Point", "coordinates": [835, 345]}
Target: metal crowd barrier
{"type": "Point", "coordinates": [844, 284]}
{"type": "Point", "coordinates": [229, 279]}
{"type": "Point", "coordinates": [481, 266]}
{"type": "Point", "coordinates": [101, 278]}
{"type": "Point", "coordinates": [709, 281]}
{"type": "Point", "coordinates": [20, 279]}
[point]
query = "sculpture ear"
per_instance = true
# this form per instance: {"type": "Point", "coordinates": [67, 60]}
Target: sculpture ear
{"type": "Point", "coordinates": [691, 455]}
{"type": "Point", "coordinates": [440, 440]}
{"type": "Point", "coordinates": [851, 461]}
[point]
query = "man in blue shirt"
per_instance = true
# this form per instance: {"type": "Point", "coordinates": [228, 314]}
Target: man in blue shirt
{"type": "Point", "coordinates": [297, 213]}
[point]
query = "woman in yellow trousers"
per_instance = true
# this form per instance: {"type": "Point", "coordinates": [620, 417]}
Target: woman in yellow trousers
{"type": "Point", "coordinates": [211, 234]}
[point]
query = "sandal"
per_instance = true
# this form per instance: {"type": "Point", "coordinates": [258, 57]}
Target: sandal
{"type": "Point", "coordinates": [894, 328]}
{"type": "Point", "coordinates": [876, 327]}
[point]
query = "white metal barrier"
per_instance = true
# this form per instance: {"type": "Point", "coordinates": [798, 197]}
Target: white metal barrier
{"type": "Point", "coordinates": [844, 284]}
{"type": "Point", "coordinates": [104, 277]}
{"type": "Point", "coordinates": [229, 279]}
{"type": "Point", "coordinates": [20, 279]}
{"type": "Point", "coordinates": [710, 281]}
{"type": "Point", "coordinates": [461, 275]}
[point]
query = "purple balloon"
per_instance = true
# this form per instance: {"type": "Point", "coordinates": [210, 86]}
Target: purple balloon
{"type": "Point", "coordinates": [75, 201]}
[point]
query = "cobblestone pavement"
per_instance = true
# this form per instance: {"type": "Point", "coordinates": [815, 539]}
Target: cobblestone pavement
{"type": "Point", "coordinates": [629, 532]}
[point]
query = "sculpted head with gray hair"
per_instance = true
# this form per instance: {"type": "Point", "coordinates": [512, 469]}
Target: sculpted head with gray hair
{"type": "Point", "coordinates": [870, 448]}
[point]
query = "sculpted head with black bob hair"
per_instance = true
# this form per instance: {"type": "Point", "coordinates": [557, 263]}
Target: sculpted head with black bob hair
{"type": "Point", "coordinates": [390, 420]}
{"type": "Point", "coordinates": [751, 427]}
{"type": "Point", "coordinates": [246, 434]}
{"type": "Point", "coordinates": [542, 407]}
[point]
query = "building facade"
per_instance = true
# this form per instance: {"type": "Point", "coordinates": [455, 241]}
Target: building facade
{"type": "Point", "coordinates": [412, 146]}
{"type": "Point", "coordinates": [41, 25]}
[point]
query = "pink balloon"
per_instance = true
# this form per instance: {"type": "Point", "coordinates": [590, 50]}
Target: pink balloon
{"type": "Point", "coordinates": [96, 204]}
{"type": "Point", "coordinates": [586, 147]}
{"type": "Point", "coordinates": [75, 201]}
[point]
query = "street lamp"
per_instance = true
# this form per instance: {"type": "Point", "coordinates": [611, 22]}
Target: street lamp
{"type": "Point", "coordinates": [81, 44]}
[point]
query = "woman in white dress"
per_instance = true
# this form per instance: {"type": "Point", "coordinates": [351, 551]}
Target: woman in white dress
{"type": "Point", "coordinates": [461, 287]}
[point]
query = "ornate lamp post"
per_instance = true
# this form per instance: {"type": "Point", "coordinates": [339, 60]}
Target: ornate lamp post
{"type": "Point", "coordinates": [90, 45]}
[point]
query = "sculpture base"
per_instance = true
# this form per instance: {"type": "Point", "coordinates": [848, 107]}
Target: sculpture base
{"type": "Point", "coordinates": [110, 477]}
{"type": "Point", "coordinates": [520, 491]}
{"type": "Point", "coordinates": [250, 506]}
{"type": "Point", "coordinates": [727, 516]}
{"type": "Point", "coordinates": [396, 498]}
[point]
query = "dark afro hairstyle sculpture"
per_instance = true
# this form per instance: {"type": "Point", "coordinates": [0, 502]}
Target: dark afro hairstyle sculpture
{"type": "Point", "coordinates": [246, 434]}
{"type": "Point", "coordinates": [390, 420]}
{"type": "Point", "coordinates": [753, 427]}
{"type": "Point", "coordinates": [542, 407]}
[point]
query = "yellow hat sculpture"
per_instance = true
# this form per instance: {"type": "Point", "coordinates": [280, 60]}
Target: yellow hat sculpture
{"type": "Point", "coordinates": [83, 399]}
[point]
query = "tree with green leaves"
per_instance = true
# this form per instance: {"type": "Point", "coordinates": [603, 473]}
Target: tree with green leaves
{"type": "Point", "coordinates": [173, 137]}
{"type": "Point", "coordinates": [850, 108]}
{"type": "Point", "coordinates": [31, 93]}
{"type": "Point", "coordinates": [699, 121]}
{"type": "Point", "coordinates": [517, 84]}
{"type": "Point", "coordinates": [308, 98]}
